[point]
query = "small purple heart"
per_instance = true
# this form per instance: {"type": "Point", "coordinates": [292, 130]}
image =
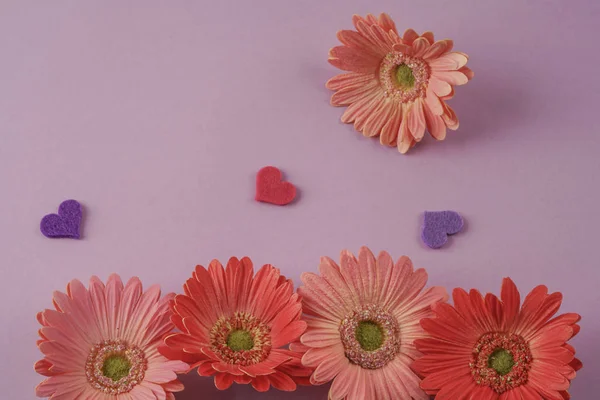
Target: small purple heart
{"type": "Point", "coordinates": [65, 224]}
{"type": "Point", "coordinates": [438, 225]}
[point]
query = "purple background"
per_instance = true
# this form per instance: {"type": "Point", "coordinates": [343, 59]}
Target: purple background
{"type": "Point", "coordinates": [156, 116]}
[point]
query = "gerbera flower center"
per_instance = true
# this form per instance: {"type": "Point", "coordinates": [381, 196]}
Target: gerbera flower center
{"type": "Point", "coordinates": [114, 367]}
{"type": "Point", "coordinates": [241, 339]}
{"type": "Point", "coordinates": [501, 361]}
{"type": "Point", "coordinates": [370, 336]}
{"type": "Point", "coordinates": [403, 77]}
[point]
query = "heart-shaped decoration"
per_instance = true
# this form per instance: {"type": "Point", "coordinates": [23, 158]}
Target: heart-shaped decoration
{"type": "Point", "coordinates": [65, 224]}
{"type": "Point", "coordinates": [270, 188]}
{"type": "Point", "coordinates": [438, 225]}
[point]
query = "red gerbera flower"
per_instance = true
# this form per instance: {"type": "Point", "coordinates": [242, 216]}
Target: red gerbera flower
{"type": "Point", "coordinates": [235, 326]}
{"type": "Point", "coordinates": [490, 349]}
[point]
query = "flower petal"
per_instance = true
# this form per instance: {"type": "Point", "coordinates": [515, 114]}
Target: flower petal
{"type": "Point", "coordinates": [349, 59]}
{"type": "Point", "coordinates": [416, 120]}
{"type": "Point", "coordinates": [435, 124]}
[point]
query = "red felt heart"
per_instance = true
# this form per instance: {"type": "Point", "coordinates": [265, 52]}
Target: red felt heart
{"type": "Point", "coordinates": [270, 188]}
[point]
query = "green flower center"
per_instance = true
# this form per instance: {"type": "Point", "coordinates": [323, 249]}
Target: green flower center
{"type": "Point", "coordinates": [369, 335]}
{"type": "Point", "coordinates": [501, 361]}
{"type": "Point", "coordinates": [405, 77]}
{"type": "Point", "coordinates": [116, 366]}
{"type": "Point", "coordinates": [240, 340]}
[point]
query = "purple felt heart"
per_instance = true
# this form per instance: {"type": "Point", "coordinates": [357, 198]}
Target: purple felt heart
{"type": "Point", "coordinates": [438, 225]}
{"type": "Point", "coordinates": [65, 224]}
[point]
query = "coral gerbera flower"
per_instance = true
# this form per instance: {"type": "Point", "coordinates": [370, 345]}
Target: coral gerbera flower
{"type": "Point", "coordinates": [235, 327]}
{"type": "Point", "coordinates": [102, 343]}
{"type": "Point", "coordinates": [397, 86]}
{"type": "Point", "coordinates": [363, 318]}
{"type": "Point", "coordinates": [489, 349]}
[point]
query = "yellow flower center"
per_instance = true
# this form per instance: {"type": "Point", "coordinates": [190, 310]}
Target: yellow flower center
{"type": "Point", "coordinates": [116, 366]}
{"type": "Point", "coordinates": [369, 335]}
{"type": "Point", "coordinates": [404, 77]}
{"type": "Point", "coordinates": [501, 361]}
{"type": "Point", "coordinates": [240, 340]}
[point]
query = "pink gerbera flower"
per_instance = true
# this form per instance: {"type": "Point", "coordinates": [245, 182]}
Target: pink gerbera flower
{"type": "Point", "coordinates": [236, 327]}
{"type": "Point", "coordinates": [490, 349]}
{"type": "Point", "coordinates": [102, 343]}
{"type": "Point", "coordinates": [363, 318]}
{"type": "Point", "coordinates": [397, 86]}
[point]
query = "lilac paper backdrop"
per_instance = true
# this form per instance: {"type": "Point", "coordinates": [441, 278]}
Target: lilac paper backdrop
{"type": "Point", "coordinates": [156, 116]}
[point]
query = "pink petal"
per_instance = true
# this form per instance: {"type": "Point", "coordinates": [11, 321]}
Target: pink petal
{"type": "Point", "coordinates": [452, 77]}
{"type": "Point", "coordinates": [389, 132]}
{"type": "Point", "coordinates": [449, 117]}
{"type": "Point", "coordinates": [317, 295]}
{"type": "Point", "coordinates": [409, 36]}
{"type": "Point", "coordinates": [438, 48]}
{"type": "Point", "coordinates": [361, 107]}
{"type": "Point", "coordinates": [433, 102]}
{"type": "Point", "coordinates": [403, 48]}
{"type": "Point", "coordinates": [142, 316]}
{"type": "Point", "coordinates": [161, 374]}
{"type": "Point", "coordinates": [67, 382]}
{"type": "Point", "coordinates": [416, 120]}
{"type": "Point", "coordinates": [406, 139]}
{"type": "Point", "coordinates": [358, 385]}
{"type": "Point", "coordinates": [357, 41]}
{"type": "Point", "coordinates": [330, 271]}
{"type": "Point", "coordinates": [328, 369]}
{"type": "Point", "coordinates": [128, 318]}
{"type": "Point", "coordinates": [370, 274]}
{"type": "Point", "coordinates": [420, 46]}
{"type": "Point", "coordinates": [349, 59]}
{"type": "Point", "coordinates": [381, 40]}
{"type": "Point", "coordinates": [385, 265]}
{"type": "Point", "coordinates": [387, 23]}
{"type": "Point", "coordinates": [372, 109]}
{"type": "Point", "coordinates": [321, 337]}
{"type": "Point", "coordinates": [397, 280]}
{"type": "Point", "coordinates": [98, 298]}
{"type": "Point", "coordinates": [348, 79]}
{"type": "Point", "coordinates": [449, 62]}
{"type": "Point", "coordinates": [114, 290]}
{"type": "Point", "coordinates": [409, 379]}
{"type": "Point", "coordinates": [315, 356]}
{"type": "Point", "coordinates": [352, 274]}
{"type": "Point", "coordinates": [157, 390]}
{"type": "Point", "coordinates": [439, 87]}
{"type": "Point", "coordinates": [429, 36]}
{"type": "Point", "coordinates": [378, 119]}
{"type": "Point", "coordinates": [352, 94]}
{"type": "Point", "coordinates": [342, 383]}
{"type": "Point", "coordinates": [467, 71]}
{"type": "Point", "coordinates": [435, 124]}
